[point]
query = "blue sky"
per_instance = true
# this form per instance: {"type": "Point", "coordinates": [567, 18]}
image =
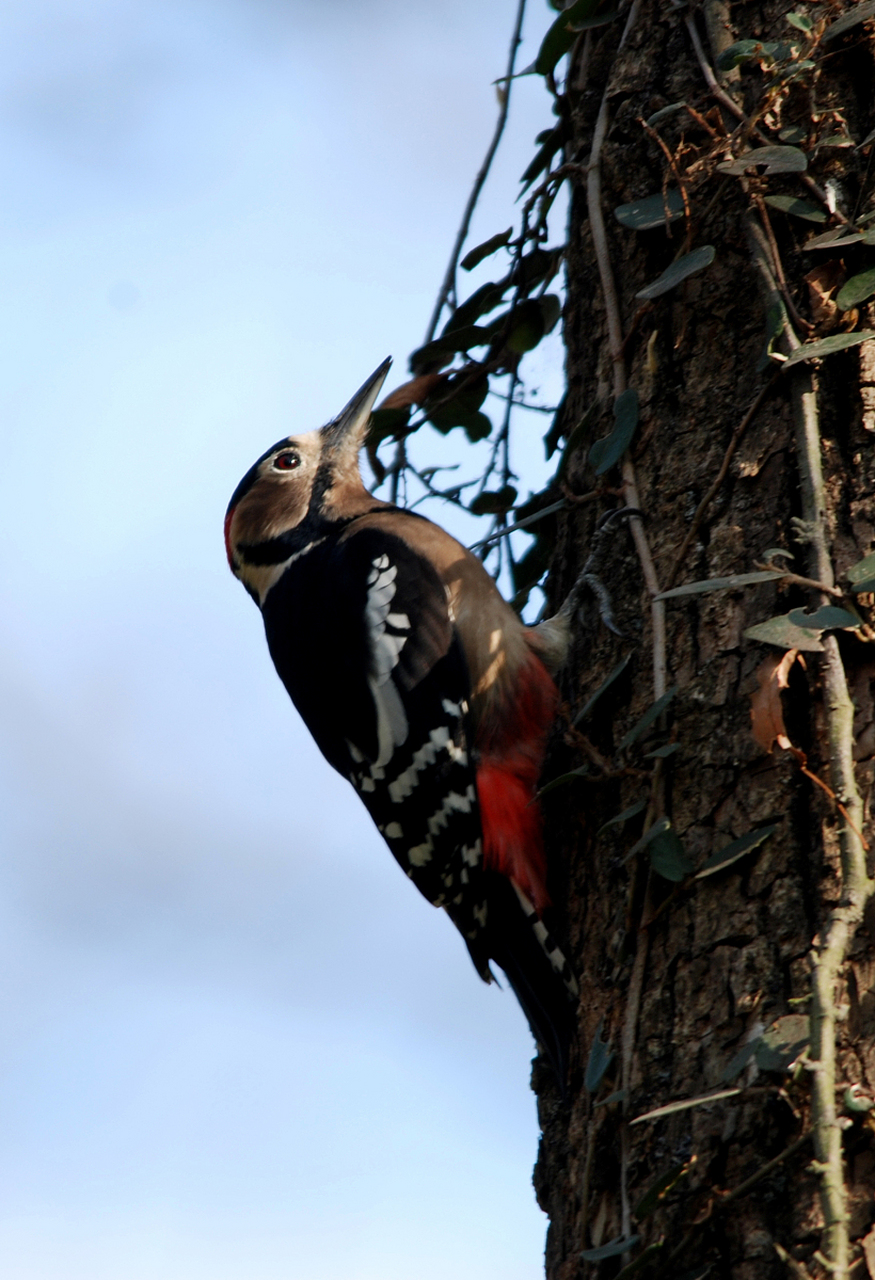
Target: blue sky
{"type": "Point", "coordinates": [235, 1041]}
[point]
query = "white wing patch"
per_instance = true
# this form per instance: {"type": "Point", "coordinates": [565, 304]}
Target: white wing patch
{"type": "Point", "coordinates": [386, 646]}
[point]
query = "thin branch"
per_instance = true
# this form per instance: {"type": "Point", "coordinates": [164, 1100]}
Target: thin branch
{"type": "Point", "coordinates": [615, 340]}
{"type": "Point", "coordinates": [828, 955]}
{"type": "Point", "coordinates": [449, 283]}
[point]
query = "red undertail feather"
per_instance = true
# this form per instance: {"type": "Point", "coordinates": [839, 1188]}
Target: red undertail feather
{"type": "Point", "coordinates": [507, 780]}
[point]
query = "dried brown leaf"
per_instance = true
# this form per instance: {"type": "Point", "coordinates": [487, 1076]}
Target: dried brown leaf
{"type": "Point", "coordinates": [766, 712]}
{"type": "Point", "coordinates": [413, 392]}
{"type": "Point", "coordinates": [823, 282]}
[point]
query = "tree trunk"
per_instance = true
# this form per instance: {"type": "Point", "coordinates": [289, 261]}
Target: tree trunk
{"type": "Point", "coordinates": [690, 980]}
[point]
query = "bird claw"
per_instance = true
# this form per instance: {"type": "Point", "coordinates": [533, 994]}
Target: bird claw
{"type": "Point", "coordinates": [588, 577]}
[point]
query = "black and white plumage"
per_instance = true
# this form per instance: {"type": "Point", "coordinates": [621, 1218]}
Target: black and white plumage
{"type": "Point", "coordinates": [420, 685]}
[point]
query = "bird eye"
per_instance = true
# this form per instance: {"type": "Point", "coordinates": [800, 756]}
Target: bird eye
{"type": "Point", "coordinates": [286, 462]}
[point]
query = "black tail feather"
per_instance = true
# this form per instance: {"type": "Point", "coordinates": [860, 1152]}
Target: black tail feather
{"type": "Point", "coordinates": [544, 994]}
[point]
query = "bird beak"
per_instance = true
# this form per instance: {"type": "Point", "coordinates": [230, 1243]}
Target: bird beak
{"type": "Point", "coordinates": [347, 430]}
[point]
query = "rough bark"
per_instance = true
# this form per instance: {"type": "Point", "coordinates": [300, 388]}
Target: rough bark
{"type": "Point", "coordinates": [680, 976]}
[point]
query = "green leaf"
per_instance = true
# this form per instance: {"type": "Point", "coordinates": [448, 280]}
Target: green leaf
{"type": "Point", "coordinates": [631, 812]}
{"type": "Point", "coordinates": [663, 113]}
{"type": "Point", "coordinates": [679, 270]}
{"type": "Point", "coordinates": [685, 1104]}
{"type": "Point", "coordinates": [784, 634]}
{"type": "Point", "coordinates": [828, 346]}
{"type": "Point", "coordinates": [457, 401]}
{"type": "Point", "coordinates": [658, 1190]}
{"type": "Point", "coordinates": [485, 250]}
{"type": "Point", "coordinates": [732, 852]}
{"type": "Point", "coordinates": [827, 618]}
{"type": "Point", "coordinates": [660, 825]}
{"type": "Point", "coordinates": [651, 211]}
{"type": "Point", "coordinates": [652, 713]}
{"type": "Point", "coordinates": [797, 208]}
{"type": "Point", "coordinates": [551, 310]}
{"type": "Point", "coordinates": [793, 133]}
{"type": "Point", "coordinates": [800, 21]}
{"type": "Point", "coordinates": [783, 1042]}
{"type": "Point", "coordinates": [739, 1060]}
{"type": "Point", "coordinates": [601, 1055]}
{"type": "Point", "coordinates": [776, 160]}
{"type": "Point", "coordinates": [865, 587]}
{"type": "Point", "coordinates": [477, 427]}
{"type": "Point", "coordinates": [386, 422]}
{"type": "Point", "coordinates": [859, 13]}
{"type": "Point", "coordinates": [560, 37]}
{"type": "Point", "coordinates": [604, 454]}
{"type": "Point", "coordinates": [441, 350]}
{"type": "Point", "coordinates": [603, 688]}
{"type": "Point", "coordinates": [480, 303]}
{"type": "Point", "coordinates": [495, 502]}
{"type": "Point", "coordinates": [619, 1095]}
{"type": "Point", "coordinates": [563, 778]}
{"type": "Point", "coordinates": [644, 1257]}
{"type": "Point", "coordinates": [544, 155]}
{"type": "Point", "coordinates": [667, 856]}
{"type": "Point", "coordinates": [863, 569]}
{"type": "Point", "coordinates": [743, 51]}
{"type": "Point", "coordinates": [610, 1250]}
{"type": "Point", "coordinates": [856, 290]}
{"type": "Point", "coordinates": [527, 327]}
{"type": "Point", "coordinates": [733, 581]}
{"type": "Point", "coordinates": [578, 434]}
{"type": "Point", "coordinates": [662, 753]}
{"type": "Point", "coordinates": [839, 238]}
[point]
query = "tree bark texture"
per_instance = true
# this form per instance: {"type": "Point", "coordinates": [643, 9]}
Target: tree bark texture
{"type": "Point", "coordinates": [678, 976]}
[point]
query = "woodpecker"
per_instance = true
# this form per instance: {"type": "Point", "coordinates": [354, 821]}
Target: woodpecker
{"type": "Point", "coordinates": [420, 685]}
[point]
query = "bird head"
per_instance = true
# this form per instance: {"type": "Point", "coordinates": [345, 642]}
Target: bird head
{"type": "Point", "coordinates": [297, 490]}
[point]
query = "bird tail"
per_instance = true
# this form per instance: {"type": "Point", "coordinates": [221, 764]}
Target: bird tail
{"type": "Point", "coordinates": [541, 977]}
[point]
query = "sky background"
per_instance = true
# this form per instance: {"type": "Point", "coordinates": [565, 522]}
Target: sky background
{"type": "Point", "coordinates": [236, 1044]}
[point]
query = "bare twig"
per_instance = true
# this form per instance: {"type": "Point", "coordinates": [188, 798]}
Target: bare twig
{"type": "Point", "coordinates": [615, 339]}
{"type": "Point", "coordinates": [827, 955]}
{"type": "Point", "coordinates": [449, 283]}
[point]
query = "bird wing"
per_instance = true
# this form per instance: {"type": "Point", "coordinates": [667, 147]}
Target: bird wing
{"type": "Point", "coordinates": [360, 633]}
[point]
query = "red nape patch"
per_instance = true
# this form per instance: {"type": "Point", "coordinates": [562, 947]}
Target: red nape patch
{"type": "Point", "coordinates": [228, 518]}
{"type": "Point", "coordinates": [507, 780]}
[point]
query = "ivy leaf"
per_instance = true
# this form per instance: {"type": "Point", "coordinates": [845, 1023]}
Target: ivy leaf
{"type": "Point", "coordinates": [605, 453]}
{"type": "Point", "coordinates": [800, 21]}
{"type": "Point", "coordinates": [485, 250]}
{"type": "Point", "coordinates": [663, 113]}
{"type": "Point", "coordinates": [743, 51]}
{"type": "Point", "coordinates": [658, 1190]}
{"type": "Point", "coordinates": [651, 211]}
{"type": "Point", "coordinates": [560, 36]}
{"type": "Point", "coordinates": [578, 434]}
{"type": "Point", "coordinates": [652, 713]}
{"type": "Point", "coordinates": [859, 13]}
{"type": "Point", "coordinates": [667, 856]}
{"type": "Point", "coordinates": [610, 1250]}
{"type": "Point", "coordinates": [782, 1043]}
{"type": "Point", "coordinates": [544, 156]}
{"type": "Point", "coordinates": [663, 753]}
{"type": "Point", "coordinates": [827, 618]}
{"type": "Point", "coordinates": [827, 347]}
{"type": "Point", "coordinates": [482, 301]}
{"type": "Point", "coordinates": [856, 290]}
{"type": "Point", "coordinates": [780, 631]}
{"type": "Point", "coordinates": [732, 852]}
{"type": "Point", "coordinates": [797, 208]}
{"type": "Point", "coordinates": [385, 423]}
{"type": "Point", "coordinates": [603, 688]}
{"type": "Point", "coordinates": [527, 327]}
{"type": "Point", "coordinates": [776, 160]}
{"type": "Point", "coordinates": [477, 427]}
{"type": "Point", "coordinates": [862, 570]}
{"type": "Point", "coordinates": [495, 502]}
{"type": "Point", "coordinates": [734, 580]}
{"type": "Point", "coordinates": [551, 310]}
{"type": "Point", "coordinates": [678, 271]}
{"type": "Point", "coordinates": [631, 812]}
{"type": "Point", "coordinates": [601, 1055]}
